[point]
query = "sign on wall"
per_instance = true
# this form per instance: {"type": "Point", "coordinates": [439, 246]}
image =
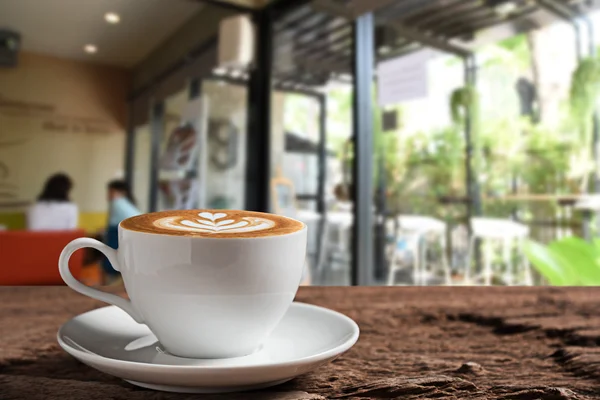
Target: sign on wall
{"type": "Point", "coordinates": [403, 78]}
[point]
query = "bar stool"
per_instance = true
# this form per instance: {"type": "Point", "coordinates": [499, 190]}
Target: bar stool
{"type": "Point", "coordinates": [418, 233]}
{"type": "Point", "coordinates": [506, 236]}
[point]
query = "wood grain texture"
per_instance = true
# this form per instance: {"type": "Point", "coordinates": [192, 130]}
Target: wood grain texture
{"type": "Point", "coordinates": [416, 343]}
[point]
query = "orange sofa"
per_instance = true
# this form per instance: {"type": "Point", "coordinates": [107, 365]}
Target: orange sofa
{"type": "Point", "coordinates": [31, 258]}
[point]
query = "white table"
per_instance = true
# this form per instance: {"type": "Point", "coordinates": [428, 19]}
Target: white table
{"type": "Point", "coordinates": [589, 204]}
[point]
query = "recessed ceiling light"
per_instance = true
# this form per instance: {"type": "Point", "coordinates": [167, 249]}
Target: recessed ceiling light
{"type": "Point", "coordinates": [112, 18]}
{"type": "Point", "coordinates": [90, 48]}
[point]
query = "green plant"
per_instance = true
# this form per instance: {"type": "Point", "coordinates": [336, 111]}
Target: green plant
{"type": "Point", "coordinates": [512, 54]}
{"type": "Point", "coordinates": [569, 261]}
{"type": "Point", "coordinates": [585, 90]}
{"type": "Point", "coordinates": [462, 101]}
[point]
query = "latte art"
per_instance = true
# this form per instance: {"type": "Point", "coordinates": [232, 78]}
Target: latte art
{"type": "Point", "coordinates": [214, 224]}
{"type": "Point", "coordinates": [208, 222]}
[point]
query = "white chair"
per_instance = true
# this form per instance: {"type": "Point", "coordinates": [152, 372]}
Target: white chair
{"type": "Point", "coordinates": [338, 231]}
{"type": "Point", "coordinates": [323, 236]}
{"type": "Point", "coordinates": [418, 232]}
{"type": "Point", "coordinates": [332, 232]}
{"type": "Point", "coordinates": [506, 236]}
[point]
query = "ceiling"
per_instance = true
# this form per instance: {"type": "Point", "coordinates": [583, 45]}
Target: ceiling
{"type": "Point", "coordinates": [63, 27]}
{"type": "Point", "coordinates": [314, 42]}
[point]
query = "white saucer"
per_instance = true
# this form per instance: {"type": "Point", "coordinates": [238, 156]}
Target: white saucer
{"type": "Point", "coordinates": [109, 340]}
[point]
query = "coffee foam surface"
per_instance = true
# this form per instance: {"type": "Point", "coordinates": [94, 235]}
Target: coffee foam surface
{"type": "Point", "coordinates": [213, 223]}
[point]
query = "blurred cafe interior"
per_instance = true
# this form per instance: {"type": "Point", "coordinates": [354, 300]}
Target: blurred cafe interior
{"type": "Point", "coordinates": [423, 142]}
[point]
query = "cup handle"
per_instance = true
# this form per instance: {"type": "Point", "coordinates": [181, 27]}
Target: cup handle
{"type": "Point", "coordinates": [111, 254]}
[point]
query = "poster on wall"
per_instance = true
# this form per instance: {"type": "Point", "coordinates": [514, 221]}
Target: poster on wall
{"type": "Point", "coordinates": [182, 148]}
{"type": "Point", "coordinates": [180, 170]}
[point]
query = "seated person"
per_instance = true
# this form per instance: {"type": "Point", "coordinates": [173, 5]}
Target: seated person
{"type": "Point", "coordinates": [53, 210]}
{"type": "Point", "coordinates": [121, 206]}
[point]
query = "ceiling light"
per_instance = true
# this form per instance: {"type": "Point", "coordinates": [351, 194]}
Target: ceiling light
{"type": "Point", "coordinates": [219, 71]}
{"type": "Point", "coordinates": [112, 18]}
{"type": "Point", "coordinates": [90, 48]}
{"type": "Point", "coordinates": [385, 50]}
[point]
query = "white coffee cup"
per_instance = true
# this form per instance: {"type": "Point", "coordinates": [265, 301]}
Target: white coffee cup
{"type": "Point", "coordinates": [202, 296]}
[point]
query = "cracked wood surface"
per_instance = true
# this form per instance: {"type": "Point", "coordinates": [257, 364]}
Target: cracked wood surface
{"type": "Point", "coordinates": [416, 343]}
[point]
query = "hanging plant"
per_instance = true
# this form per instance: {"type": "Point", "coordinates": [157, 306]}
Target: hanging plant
{"type": "Point", "coordinates": [585, 90]}
{"type": "Point", "coordinates": [463, 100]}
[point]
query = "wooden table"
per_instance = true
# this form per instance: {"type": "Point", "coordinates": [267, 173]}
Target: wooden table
{"type": "Point", "coordinates": [416, 343]}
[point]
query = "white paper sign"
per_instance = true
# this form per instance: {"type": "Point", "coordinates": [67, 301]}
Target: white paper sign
{"type": "Point", "coordinates": [403, 78]}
